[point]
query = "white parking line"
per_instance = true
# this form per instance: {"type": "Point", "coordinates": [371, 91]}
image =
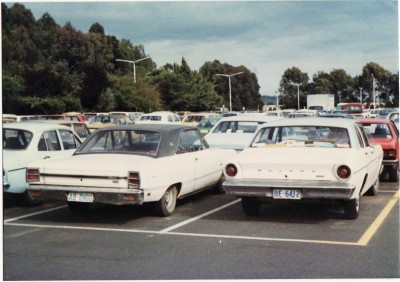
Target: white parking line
{"type": "Point", "coordinates": [198, 217]}
{"type": "Point", "coordinates": [32, 214]}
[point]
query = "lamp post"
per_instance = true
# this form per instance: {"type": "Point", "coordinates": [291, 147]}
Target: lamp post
{"type": "Point", "coordinates": [298, 93]}
{"type": "Point", "coordinates": [133, 63]}
{"type": "Point", "coordinates": [230, 91]}
{"type": "Point", "coordinates": [373, 89]}
{"type": "Point", "coordinates": [361, 95]}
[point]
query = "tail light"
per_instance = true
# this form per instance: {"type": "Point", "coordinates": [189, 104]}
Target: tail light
{"type": "Point", "coordinates": [231, 170]}
{"type": "Point", "coordinates": [133, 180]}
{"type": "Point", "coordinates": [32, 175]}
{"type": "Point", "coordinates": [389, 154]}
{"type": "Point", "coordinates": [343, 172]}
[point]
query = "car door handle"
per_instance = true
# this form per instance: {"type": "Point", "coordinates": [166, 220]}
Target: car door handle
{"type": "Point", "coordinates": [46, 157]}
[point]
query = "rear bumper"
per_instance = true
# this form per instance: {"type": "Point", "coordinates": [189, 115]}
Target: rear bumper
{"type": "Point", "coordinates": [391, 163]}
{"type": "Point", "coordinates": [309, 189]}
{"type": "Point", "coordinates": [112, 196]}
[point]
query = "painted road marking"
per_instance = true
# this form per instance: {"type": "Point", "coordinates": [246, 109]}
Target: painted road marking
{"type": "Point", "coordinates": [368, 234]}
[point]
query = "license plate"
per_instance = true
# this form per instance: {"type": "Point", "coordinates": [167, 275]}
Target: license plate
{"type": "Point", "coordinates": [80, 197]}
{"type": "Point", "coordinates": [286, 194]}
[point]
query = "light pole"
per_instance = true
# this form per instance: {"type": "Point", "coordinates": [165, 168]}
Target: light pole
{"type": "Point", "coordinates": [133, 63]}
{"type": "Point", "coordinates": [373, 89]}
{"type": "Point", "coordinates": [230, 91]}
{"type": "Point", "coordinates": [361, 95]}
{"type": "Point", "coordinates": [298, 93]}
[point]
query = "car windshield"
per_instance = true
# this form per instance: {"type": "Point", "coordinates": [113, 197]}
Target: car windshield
{"type": "Point", "coordinates": [16, 139]}
{"type": "Point", "coordinates": [303, 136]}
{"type": "Point", "coordinates": [208, 122]}
{"type": "Point", "coordinates": [122, 141]}
{"type": "Point", "coordinates": [151, 118]}
{"type": "Point", "coordinates": [103, 119]}
{"type": "Point", "coordinates": [376, 130]}
{"type": "Point", "coordinates": [237, 127]}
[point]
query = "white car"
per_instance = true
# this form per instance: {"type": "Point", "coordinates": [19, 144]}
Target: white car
{"type": "Point", "coordinates": [301, 159]}
{"type": "Point", "coordinates": [236, 132]}
{"type": "Point", "coordinates": [159, 117]}
{"type": "Point", "coordinates": [131, 165]}
{"type": "Point", "coordinates": [27, 142]}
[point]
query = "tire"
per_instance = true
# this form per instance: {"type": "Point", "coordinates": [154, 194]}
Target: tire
{"type": "Point", "coordinates": [374, 189]}
{"type": "Point", "coordinates": [26, 200]}
{"type": "Point", "coordinates": [218, 187]}
{"type": "Point", "coordinates": [76, 207]}
{"type": "Point", "coordinates": [351, 208]}
{"type": "Point", "coordinates": [166, 205]}
{"type": "Point", "coordinates": [393, 176]}
{"type": "Point", "coordinates": [251, 206]}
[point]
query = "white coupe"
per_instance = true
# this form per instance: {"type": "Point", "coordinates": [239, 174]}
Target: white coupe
{"type": "Point", "coordinates": [132, 164]}
{"type": "Point", "coordinates": [24, 142]}
{"type": "Point", "coordinates": [301, 159]}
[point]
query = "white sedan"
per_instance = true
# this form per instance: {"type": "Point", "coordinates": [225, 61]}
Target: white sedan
{"type": "Point", "coordinates": [27, 142]}
{"type": "Point", "coordinates": [236, 132]}
{"type": "Point", "coordinates": [301, 159]}
{"type": "Point", "coordinates": [132, 164]}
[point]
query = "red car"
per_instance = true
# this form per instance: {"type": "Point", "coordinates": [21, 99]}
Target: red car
{"type": "Point", "coordinates": [385, 133]}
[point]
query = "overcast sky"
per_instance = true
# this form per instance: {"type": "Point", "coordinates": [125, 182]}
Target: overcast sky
{"type": "Point", "coordinates": [267, 37]}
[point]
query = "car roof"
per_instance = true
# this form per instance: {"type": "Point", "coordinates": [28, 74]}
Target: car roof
{"type": "Point", "coordinates": [33, 126]}
{"type": "Point", "coordinates": [334, 122]}
{"type": "Point", "coordinates": [250, 117]}
{"type": "Point", "coordinates": [374, 120]}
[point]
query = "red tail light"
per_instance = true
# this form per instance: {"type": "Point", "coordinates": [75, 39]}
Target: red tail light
{"type": "Point", "coordinates": [231, 170]}
{"type": "Point", "coordinates": [389, 154]}
{"type": "Point", "coordinates": [32, 175]}
{"type": "Point", "coordinates": [133, 180]}
{"type": "Point", "coordinates": [343, 172]}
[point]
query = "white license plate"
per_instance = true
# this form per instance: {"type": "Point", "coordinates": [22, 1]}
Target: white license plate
{"type": "Point", "coordinates": [286, 194]}
{"type": "Point", "coordinates": [80, 197]}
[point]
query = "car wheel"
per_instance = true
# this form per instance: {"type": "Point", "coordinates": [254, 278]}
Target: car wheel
{"type": "Point", "coordinates": [26, 200]}
{"type": "Point", "coordinates": [393, 176]}
{"type": "Point", "coordinates": [166, 205]}
{"type": "Point", "coordinates": [374, 189]}
{"type": "Point", "coordinates": [76, 207]}
{"type": "Point", "coordinates": [351, 208]}
{"type": "Point", "coordinates": [218, 187]}
{"type": "Point", "coordinates": [251, 206]}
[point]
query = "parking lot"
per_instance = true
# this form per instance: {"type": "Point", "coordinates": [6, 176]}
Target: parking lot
{"type": "Point", "coordinates": [207, 237]}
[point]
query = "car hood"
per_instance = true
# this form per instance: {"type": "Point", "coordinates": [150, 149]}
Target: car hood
{"type": "Point", "coordinates": [94, 164]}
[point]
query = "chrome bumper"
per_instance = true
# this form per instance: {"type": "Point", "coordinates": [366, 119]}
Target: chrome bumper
{"type": "Point", "coordinates": [103, 195]}
{"type": "Point", "coordinates": [309, 189]}
{"type": "Point", "coordinates": [391, 163]}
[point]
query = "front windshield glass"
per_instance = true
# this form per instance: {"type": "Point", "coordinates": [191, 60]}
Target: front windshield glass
{"type": "Point", "coordinates": [16, 139]}
{"type": "Point", "coordinates": [122, 141]}
{"type": "Point", "coordinates": [237, 127]}
{"type": "Point", "coordinates": [376, 130]}
{"type": "Point", "coordinates": [303, 136]}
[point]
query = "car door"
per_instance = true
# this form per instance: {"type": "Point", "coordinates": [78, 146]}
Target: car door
{"type": "Point", "coordinates": [57, 143]}
{"type": "Point", "coordinates": [372, 157]}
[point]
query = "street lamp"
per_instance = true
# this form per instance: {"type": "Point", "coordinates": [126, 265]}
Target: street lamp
{"type": "Point", "coordinates": [134, 63]}
{"type": "Point", "coordinates": [361, 95]}
{"type": "Point", "coordinates": [298, 93]}
{"type": "Point", "coordinates": [230, 92]}
{"type": "Point", "coordinates": [373, 89]}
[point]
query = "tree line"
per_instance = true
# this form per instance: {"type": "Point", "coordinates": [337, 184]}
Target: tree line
{"type": "Point", "coordinates": [48, 68]}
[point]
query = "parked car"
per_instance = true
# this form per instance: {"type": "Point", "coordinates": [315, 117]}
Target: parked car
{"type": "Point", "coordinates": [101, 121]}
{"type": "Point", "coordinates": [206, 124]}
{"type": "Point", "coordinates": [385, 133]}
{"type": "Point", "coordinates": [159, 117]}
{"type": "Point", "coordinates": [131, 164]}
{"type": "Point", "coordinates": [79, 127]}
{"type": "Point", "coordinates": [193, 119]}
{"type": "Point", "coordinates": [26, 142]}
{"type": "Point", "coordinates": [67, 116]}
{"type": "Point", "coordinates": [236, 132]}
{"type": "Point", "coordinates": [303, 159]}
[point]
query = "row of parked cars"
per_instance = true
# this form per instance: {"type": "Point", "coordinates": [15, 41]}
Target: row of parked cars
{"type": "Point", "coordinates": [256, 157]}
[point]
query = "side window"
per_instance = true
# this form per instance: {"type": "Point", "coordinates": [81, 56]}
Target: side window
{"type": "Point", "coordinates": [361, 136]}
{"type": "Point", "coordinates": [170, 119]}
{"type": "Point", "coordinates": [189, 141]}
{"type": "Point", "coordinates": [68, 140]}
{"type": "Point", "coordinates": [49, 142]}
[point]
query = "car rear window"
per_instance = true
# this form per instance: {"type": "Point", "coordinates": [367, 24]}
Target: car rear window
{"type": "Point", "coordinates": [15, 139]}
{"type": "Point", "coordinates": [303, 136]}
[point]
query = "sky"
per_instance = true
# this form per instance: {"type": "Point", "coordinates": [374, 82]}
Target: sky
{"type": "Point", "coordinates": [267, 37]}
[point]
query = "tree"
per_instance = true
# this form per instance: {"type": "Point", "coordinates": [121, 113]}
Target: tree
{"type": "Point", "coordinates": [288, 88]}
{"type": "Point", "coordinates": [96, 28]}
